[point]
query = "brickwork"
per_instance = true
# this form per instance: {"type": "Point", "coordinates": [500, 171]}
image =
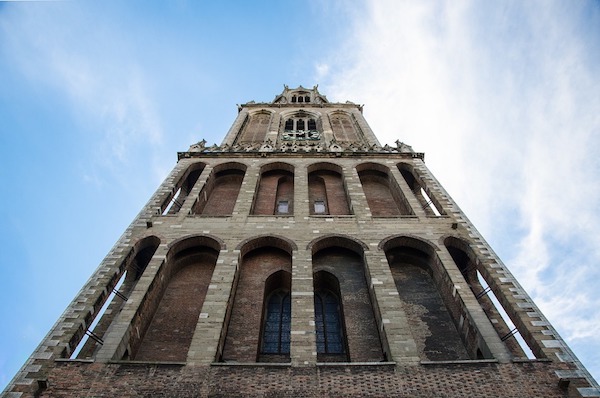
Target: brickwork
{"type": "Point", "coordinates": [223, 197]}
{"type": "Point", "coordinates": [426, 381]}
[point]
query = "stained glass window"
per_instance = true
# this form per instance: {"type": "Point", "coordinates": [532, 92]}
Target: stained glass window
{"type": "Point", "coordinates": [328, 323]}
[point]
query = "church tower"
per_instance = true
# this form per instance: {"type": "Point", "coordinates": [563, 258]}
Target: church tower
{"type": "Point", "coordinates": [302, 258]}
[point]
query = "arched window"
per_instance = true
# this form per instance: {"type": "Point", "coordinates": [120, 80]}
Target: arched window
{"type": "Point", "coordinates": [382, 192]}
{"type": "Point", "coordinates": [275, 193]}
{"type": "Point", "coordinates": [174, 201]}
{"type": "Point", "coordinates": [255, 129]}
{"type": "Point", "coordinates": [219, 194]}
{"type": "Point", "coordinates": [278, 320]}
{"type": "Point", "coordinates": [328, 323]}
{"type": "Point", "coordinates": [428, 202]}
{"type": "Point", "coordinates": [168, 334]}
{"type": "Point", "coordinates": [343, 128]}
{"type": "Point", "coordinates": [326, 191]}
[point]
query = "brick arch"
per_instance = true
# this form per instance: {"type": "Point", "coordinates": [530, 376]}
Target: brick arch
{"type": "Point", "coordinates": [229, 166]}
{"type": "Point", "coordinates": [409, 240]}
{"type": "Point", "coordinates": [337, 240]}
{"type": "Point", "coordinates": [256, 126]}
{"type": "Point", "coordinates": [260, 258]}
{"type": "Point", "coordinates": [219, 194]}
{"type": "Point", "coordinates": [343, 258]}
{"type": "Point", "coordinates": [255, 242]}
{"type": "Point", "coordinates": [277, 166]}
{"type": "Point", "coordinates": [384, 196]}
{"type": "Point", "coordinates": [188, 241]}
{"type": "Point", "coordinates": [324, 166]}
{"type": "Point", "coordinates": [428, 297]}
{"type": "Point", "coordinates": [274, 192]}
{"type": "Point", "coordinates": [326, 188]}
{"type": "Point", "coordinates": [169, 312]}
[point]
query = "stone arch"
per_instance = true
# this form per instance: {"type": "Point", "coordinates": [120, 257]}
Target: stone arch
{"type": "Point", "coordinates": [130, 271]}
{"type": "Point", "coordinates": [219, 194]}
{"type": "Point", "coordinates": [340, 240]}
{"type": "Point", "coordinates": [427, 297]}
{"type": "Point", "coordinates": [384, 196]}
{"type": "Point", "coordinates": [469, 264]}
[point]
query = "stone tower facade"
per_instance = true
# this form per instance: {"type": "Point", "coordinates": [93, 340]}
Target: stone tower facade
{"type": "Point", "coordinates": [302, 258]}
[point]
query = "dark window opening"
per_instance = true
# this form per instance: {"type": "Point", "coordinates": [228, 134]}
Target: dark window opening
{"type": "Point", "coordinates": [300, 124]}
{"type": "Point", "coordinates": [278, 320]}
{"type": "Point", "coordinates": [312, 124]}
{"type": "Point", "coordinates": [294, 98]}
{"type": "Point", "coordinates": [289, 124]}
{"type": "Point", "coordinates": [300, 99]}
{"type": "Point", "coordinates": [307, 99]}
{"type": "Point", "coordinates": [328, 323]}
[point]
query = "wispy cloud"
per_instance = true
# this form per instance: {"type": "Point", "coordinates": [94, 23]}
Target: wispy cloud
{"type": "Point", "coordinates": [105, 88]}
{"type": "Point", "coordinates": [503, 98]}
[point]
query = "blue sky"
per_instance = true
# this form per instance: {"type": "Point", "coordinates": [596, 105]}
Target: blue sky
{"type": "Point", "coordinates": [96, 98]}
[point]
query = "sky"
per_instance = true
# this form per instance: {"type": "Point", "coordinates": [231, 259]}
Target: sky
{"type": "Point", "coordinates": [96, 98]}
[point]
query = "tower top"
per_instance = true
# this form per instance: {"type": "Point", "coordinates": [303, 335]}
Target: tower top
{"type": "Point", "coordinates": [300, 95]}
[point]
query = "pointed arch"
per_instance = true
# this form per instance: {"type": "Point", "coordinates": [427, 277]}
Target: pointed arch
{"type": "Point", "coordinates": [256, 127]}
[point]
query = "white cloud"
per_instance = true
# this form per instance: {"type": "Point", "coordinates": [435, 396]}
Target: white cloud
{"type": "Point", "coordinates": [503, 98]}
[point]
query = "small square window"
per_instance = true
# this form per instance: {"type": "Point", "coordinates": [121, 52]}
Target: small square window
{"type": "Point", "coordinates": [283, 207]}
{"type": "Point", "coordinates": [319, 206]}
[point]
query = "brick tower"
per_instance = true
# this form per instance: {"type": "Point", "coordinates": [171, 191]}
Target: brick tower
{"type": "Point", "coordinates": [302, 258]}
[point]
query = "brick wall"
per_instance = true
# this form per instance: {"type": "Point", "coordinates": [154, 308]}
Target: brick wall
{"type": "Point", "coordinates": [518, 380]}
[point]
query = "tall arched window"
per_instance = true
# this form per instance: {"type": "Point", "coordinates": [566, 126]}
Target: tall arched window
{"type": "Point", "coordinates": [328, 323]}
{"type": "Point", "coordinates": [278, 320]}
{"type": "Point", "coordinates": [343, 128]}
